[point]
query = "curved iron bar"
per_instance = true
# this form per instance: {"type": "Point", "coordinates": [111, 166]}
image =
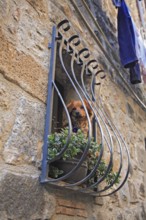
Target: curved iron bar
{"type": "Point", "coordinates": [95, 169]}
{"type": "Point", "coordinates": [98, 161]}
{"type": "Point", "coordinates": [68, 116]}
{"type": "Point", "coordinates": [65, 21]}
{"type": "Point", "coordinates": [72, 38]}
{"type": "Point", "coordinates": [76, 56]}
{"type": "Point", "coordinates": [89, 136]}
{"type": "Point", "coordinates": [110, 148]}
{"type": "Point", "coordinates": [88, 72]}
{"type": "Point", "coordinates": [123, 182]}
{"type": "Point", "coordinates": [120, 148]}
{"type": "Point", "coordinates": [97, 183]}
{"type": "Point", "coordinates": [119, 143]}
{"type": "Point", "coordinates": [58, 156]}
{"type": "Point", "coordinates": [120, 168]}
{"type": "Point", "coordinates": [128, 169]}
{"type": "Point", "coordinates": [101, 151]}
{"type": "Point", "coordinates": [84, 92]}
{"type": "Point", "coordinates": [128, 156]}
{"type": "Point", "coordinates": [84, 88]}
{"type": "Point", "coordinates": [79, 60]}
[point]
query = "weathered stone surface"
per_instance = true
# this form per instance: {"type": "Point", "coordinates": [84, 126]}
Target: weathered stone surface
{"type": "Point", "coordinates": [21, 195]}
{"type": "Point", "coordinates": [3, 8]}
{"type": "Point", "coordinates": [133, 193]}
{"type": "Point", "coordinates": [25, 30]}
{"type": "Point", "coordinates": [119, 217]}
{"type": "Point", "coordinates": [128, 215]}
{"type": "Point", "coordinates": [26, 27]}
{"type": "Point", "coordinates": [143, 211]}
{"type": "Point", "coordinates": [142, 189]}
{"type": "Point", "coordinates": [65, 217]}
{"type": "Point", "coordinates": [71, 204]}
{"type": "Point", "coordinates": [7, 111]}
{"type": "Point", "coordinates": [99, 214]}
{"type": "Point", "coordinates": [99, 201]}
{"type": "Point", "coordinates": [31, 77]}
{"type": "Point", "coordinates": [124, 194]}
{"type": "Point", "coordinates": [26, 134]}
{"type": "Point", "coordinates": [22, 125]}
{"type": "Point", "coordinates": [130, 110]}
{"type": "Point", "coordinates": [141, 159]}
{"type": "Point", "coordinates": [40, 6]}
{"type": "Point", "coordinates": [71, 212]}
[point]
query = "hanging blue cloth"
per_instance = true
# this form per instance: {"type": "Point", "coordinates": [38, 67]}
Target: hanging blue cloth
{"type": "Point", "coordinates": [126, 37]}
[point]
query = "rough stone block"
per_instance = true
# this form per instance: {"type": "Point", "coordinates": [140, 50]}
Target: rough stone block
{"type": "Point", "coordinates": [119, 216]}
{"type": "Point", "coordinates": [65, 211]}
{"type": "Point", "coordinates": [23, 70]}
{"type": "Point", "coordinates": [99, 201]}
{"type": "Point", "coordinates": [142, 190]}
{"type": "Point", "coordinates": [26, 133]}
{"type": "Point", "coordinates": [124, 194]}
{"type": "Point", "coordinates": [71, 211]}
{"type": "Point", "coordinates": [64, 217]}
{"type": "Point", "coordinates": [143, 210]}
{"type": "Point", "coordinates": [71, 203]}
{"type": "Point", "coordinates": [22, 196]}
{"type": "Point", "coordinates": [141, 159]}
{"type": "Point", "coordinates": [133, 193]}
{"type": "Point", "coordinates": [3, 8]}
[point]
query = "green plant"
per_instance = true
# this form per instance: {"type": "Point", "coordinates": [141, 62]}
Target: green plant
{"type": "Point", "coordinates": [58, 140]}
{"type": "Point", "coordinates": [77, 144]}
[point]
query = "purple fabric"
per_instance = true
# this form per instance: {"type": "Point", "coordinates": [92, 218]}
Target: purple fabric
{"type": "Point", "coordinates": [126, 37]}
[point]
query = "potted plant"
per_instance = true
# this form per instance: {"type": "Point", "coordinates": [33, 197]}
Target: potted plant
{"type": "Point", "coordinates": [70, 157]}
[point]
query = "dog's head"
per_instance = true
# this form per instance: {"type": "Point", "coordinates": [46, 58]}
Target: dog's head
{"type": "Point", "coordinates": [76, 109]}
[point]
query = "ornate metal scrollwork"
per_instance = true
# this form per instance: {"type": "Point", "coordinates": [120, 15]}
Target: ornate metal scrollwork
{"type": "Point", "coordinates": [104, 129]}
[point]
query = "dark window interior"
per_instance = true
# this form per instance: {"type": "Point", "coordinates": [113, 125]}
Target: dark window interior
{"type": "Point", "coordinates": [57, 110]}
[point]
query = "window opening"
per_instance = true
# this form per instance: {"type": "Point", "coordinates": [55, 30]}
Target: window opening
{"type": "Point", "coordinates": [75, 73]}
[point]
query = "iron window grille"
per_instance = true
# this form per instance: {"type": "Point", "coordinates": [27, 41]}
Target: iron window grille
{"type": "Point", "coordinates": [77, 65]}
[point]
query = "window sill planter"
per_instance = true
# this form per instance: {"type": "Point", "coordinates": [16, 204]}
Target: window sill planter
{"type": "Point", "coordinates": [70, 158]}
{"type": "Point", "coordinates": [67, 165]}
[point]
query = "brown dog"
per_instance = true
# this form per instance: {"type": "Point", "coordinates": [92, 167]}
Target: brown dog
{"type": "Point", "coordinates": [78, 115]}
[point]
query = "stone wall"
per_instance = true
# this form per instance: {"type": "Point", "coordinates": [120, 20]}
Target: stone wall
{"type": "Point", "coordinates": [25, 30]}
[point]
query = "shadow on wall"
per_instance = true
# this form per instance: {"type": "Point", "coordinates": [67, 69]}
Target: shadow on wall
{"type": "Point", "coordinates": [104, 21]}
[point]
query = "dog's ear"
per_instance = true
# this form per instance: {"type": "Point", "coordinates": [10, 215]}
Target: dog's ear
{"type": "Point", "coordinates": [70, 106]}
{"type": "Point", "coordinates": [88, 108]}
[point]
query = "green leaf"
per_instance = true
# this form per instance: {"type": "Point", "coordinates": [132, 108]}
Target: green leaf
{"type": "Point", "coordinates": [78, 143]}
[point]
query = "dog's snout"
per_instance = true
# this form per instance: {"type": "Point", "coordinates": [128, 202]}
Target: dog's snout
{"type": "Point", "coordinates": [77, 114]}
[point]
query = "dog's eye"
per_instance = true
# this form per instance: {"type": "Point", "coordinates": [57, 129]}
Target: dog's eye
{"type": "Point", "coordinates": [82, 107]}
{"type": "Point", "coordinates": [74, 109]}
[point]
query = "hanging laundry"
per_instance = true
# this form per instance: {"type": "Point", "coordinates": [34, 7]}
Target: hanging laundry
{"type": "Point", "coordinates": [126, 39]}
{"type": "Point", "coordinates": [141, 52]}
{"type": "Point", "coordinates": [140, 47]}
